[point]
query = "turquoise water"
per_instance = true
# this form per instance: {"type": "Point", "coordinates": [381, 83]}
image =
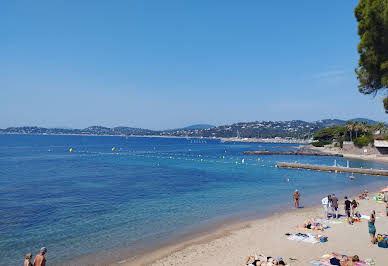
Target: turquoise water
{"type": "Point", "coordinates": [145, 193]}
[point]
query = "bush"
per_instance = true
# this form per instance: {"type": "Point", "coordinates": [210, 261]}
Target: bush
{"type": "Point", "coordinates": [320, 143]}
{"type": "Point", "coordinates": [363, 141]}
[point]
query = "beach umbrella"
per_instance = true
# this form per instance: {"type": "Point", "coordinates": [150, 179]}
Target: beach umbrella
{"type": "Point", "coordinates": [384, 189]}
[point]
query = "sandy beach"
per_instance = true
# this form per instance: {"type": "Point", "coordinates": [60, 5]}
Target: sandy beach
{"type": "Point", "coordinates": [232, 244]}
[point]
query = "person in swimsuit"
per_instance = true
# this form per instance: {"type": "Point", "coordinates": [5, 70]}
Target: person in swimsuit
{"type": "Point", "coordinates": [40, 260]}
{"type": "Point", "coordinates": [372, 228]}
{"type": "Point", "coordinates": [354, 208]}
{"type": "Point", "coordinates": [386, 208]}
{"type": "Point", "coordinates": [296, 199]}
{"type": "Point", "coordinates": [27, 261]}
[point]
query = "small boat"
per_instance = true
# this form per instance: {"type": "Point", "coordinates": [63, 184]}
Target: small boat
{"type": "Point", "coordinates": [351, 177]}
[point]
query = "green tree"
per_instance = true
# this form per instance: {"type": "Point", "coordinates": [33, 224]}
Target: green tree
{"type": "Point", "coordinates": [350, 127]}
{"type": "Point", "coordinates": [372, 70]}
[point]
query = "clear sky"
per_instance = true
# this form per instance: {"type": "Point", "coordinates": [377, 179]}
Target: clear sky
{"type": "Point", "coordinates": [167, 64]}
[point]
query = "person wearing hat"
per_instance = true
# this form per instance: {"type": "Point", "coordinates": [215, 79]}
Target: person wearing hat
{"type": "Point", "coordinates": [296, 198]}
{"type": "Point", "coordinates": [40, 260]}
{"type": "Point", "coordinates": [27, 261]}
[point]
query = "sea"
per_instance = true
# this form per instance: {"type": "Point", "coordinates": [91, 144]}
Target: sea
{"type": "Point", "coordinates": [113, 197]}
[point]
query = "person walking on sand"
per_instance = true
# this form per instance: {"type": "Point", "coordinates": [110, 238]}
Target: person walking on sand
{"type": "Point", "coordinates": [334, 205]}
{"type": "Point", "coordinates": [347, 209]}
{"type": "Point", "coordinates": [27, 261]}
{"type": "Point", "coordinates": [296, 199]}
{"type": "Point", "coordinates": [40, 260]}
{"type": "Point", "coordinates": [371, 227]}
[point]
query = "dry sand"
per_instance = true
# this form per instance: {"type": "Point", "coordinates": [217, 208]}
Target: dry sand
{"type": "Point", "coordinates": [232, 244]}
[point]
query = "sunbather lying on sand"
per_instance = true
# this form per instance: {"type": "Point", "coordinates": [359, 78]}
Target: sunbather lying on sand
{"type": "Point", "coordinates": [342, 260]}
{"type": "Point", "coordinates": [261, 260]}
{"type": "Point", "coordinates": [313, 225]}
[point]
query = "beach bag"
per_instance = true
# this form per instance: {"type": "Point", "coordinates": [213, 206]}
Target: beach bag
{"type": "Point", "coordinates": [382, 244]}
{"type": "Point", "coordinates": [335, 261]}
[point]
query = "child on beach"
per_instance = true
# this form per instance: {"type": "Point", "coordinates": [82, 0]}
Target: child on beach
{"type": "Point", "coordinates": [27, 261]}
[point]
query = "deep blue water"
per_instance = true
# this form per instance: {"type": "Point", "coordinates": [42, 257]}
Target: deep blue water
{"type": "Point", "coordinates": [146, 192]}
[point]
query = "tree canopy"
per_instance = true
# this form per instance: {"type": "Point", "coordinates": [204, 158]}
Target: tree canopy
{"type": "Point", "coordinates": [372, 70]}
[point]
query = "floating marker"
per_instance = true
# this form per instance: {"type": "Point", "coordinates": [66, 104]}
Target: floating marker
{"type": "Point", "coordinates": [223, 157]}
{"type": "Point", "coordinates": [71, 150]}
{"type": "Point", "coordinates": [236, 162]}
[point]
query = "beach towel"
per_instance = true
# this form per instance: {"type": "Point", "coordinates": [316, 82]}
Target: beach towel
{"type": "Point", "coordinates": [308, 238]}
{"type": "Point", "coordinates": [327, 221]}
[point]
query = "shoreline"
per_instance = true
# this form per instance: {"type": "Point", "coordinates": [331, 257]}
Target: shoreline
{"type": "Point", "coordinates": [176, 252]}
{"type": "Point", "coordinates": [366, 157]}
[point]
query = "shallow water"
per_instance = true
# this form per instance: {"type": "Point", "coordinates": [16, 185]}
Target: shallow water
{"type": "Point", "coordinates": [147, 192]}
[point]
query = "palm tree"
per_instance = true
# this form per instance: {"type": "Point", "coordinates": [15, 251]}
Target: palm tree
{"type": "Point", "coordinates": [380, 126]}
{"type": "Point", "coordinates": [356, 128]}
{"type": "Point", "coordinates": [364, 127]}
{"type": "Point", "coordinates": [350, 128]}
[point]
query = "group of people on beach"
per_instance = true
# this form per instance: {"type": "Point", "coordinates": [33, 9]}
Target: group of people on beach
{"type": "Point", "coordinates": [330, 208]}
{"type": "Point", "coordinates": [39, 260]}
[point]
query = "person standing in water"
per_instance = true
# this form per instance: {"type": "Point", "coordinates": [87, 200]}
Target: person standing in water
{"type": "Point", "coordinates": [296, 199]}
{"type": "Point", "coordinates": [27, 261]}
{"type": "Point", "coordinates": [40, 260]}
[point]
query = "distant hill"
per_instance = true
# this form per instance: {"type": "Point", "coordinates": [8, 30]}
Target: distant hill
{"type": "Point", "coordinates": [199, 126]}
{"type": "Point", "coordinates": [258, 129]}
{"type": "Point", "coordinates": [369, 121]}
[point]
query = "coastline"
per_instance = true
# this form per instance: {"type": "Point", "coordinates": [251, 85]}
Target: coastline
{"type": "Point", "coordinates": [348, 155]}
{"type": "Point", "coordinates": [235, 241]}
{"type": "Point", "coordinates": [244, 140]}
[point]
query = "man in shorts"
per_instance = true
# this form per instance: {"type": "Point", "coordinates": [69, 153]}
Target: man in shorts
{"type": "Point", "coordinates": [334, 205]}
{"type": "Point", "coordinates": [348, 203]}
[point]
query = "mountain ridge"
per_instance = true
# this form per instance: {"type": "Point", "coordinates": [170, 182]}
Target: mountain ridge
{"type": "Point", "coordinates": [257, 129]}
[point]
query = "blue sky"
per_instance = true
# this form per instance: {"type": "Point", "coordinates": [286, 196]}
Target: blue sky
{"type": "Point", "coordinates": [167, 64]}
